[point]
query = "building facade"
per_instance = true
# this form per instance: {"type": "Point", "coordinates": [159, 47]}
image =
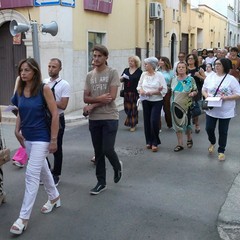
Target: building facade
{"type": "Point", "coordinates": [137, 27]}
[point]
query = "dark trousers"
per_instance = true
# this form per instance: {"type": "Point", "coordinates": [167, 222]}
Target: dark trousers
{"type": "Point", "coordinates": [103, 134]}
{"type": "Point", "coordinates": [223, 125]}
{"type": "Point", "coordinates": [151, 117]}
{"type": "Point", "coordinates": [58, 155]}
{"type": "Point", "coordinates": [166, 109]}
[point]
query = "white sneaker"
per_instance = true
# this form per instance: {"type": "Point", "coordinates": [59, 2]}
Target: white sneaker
{"type": "Point", "coordinates": [18, 164]}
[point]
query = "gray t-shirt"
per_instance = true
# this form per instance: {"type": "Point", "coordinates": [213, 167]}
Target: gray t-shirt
{"type": "Point", "coordinates": [99, 84]}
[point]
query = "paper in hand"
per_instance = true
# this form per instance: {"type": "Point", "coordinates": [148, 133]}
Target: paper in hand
{"type": "Point", "coordinates": [126, 76]}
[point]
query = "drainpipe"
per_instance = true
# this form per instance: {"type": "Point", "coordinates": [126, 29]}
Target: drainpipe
{"type": "Point", "coordinates": [147, 27]}
{"type": "Point", "coordinates": [180, 26]}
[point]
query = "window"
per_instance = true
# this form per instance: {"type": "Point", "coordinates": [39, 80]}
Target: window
{"type": "Point", "coordinates": [184, 6]}
{"type": "Point", "coordinates": [93, 39]}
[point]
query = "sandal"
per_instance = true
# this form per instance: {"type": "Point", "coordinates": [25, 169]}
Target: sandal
{"type": "Point", "coordinates": [154, 148]}
{"type": "Point", "coordinates": [178, 148]}
{"type": "Point", "coordinates": [18, 227]}
{"type": "Point", "coordinates": [48, 206]}
{"type": "Point", "coordinates": [190, 143]}
{"type": "Point", "coordinates": [197, 129]}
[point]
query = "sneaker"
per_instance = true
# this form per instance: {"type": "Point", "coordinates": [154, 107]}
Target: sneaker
{"type": "Point", "coordinates": [211, 149]}
{"type": "Point", "coordinates": [56, 180]}
{"type": "Point", "coordinates": [18, 164]}
{"type": "Point", "coordinates": [97, 189]}
{"type": "Point", "coordinates": [118, 173]}
{"type": "Point", "coordinates": [93, 160]}
{"type": "Point", "coordinates": [221, 156]}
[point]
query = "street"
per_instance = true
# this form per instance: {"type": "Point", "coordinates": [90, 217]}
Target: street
{"type": "Point", "coordinates": [165, 195]}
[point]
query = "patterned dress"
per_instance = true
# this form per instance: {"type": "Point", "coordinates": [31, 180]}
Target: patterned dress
{"type": "Point", "coordinates": [181, 102]}
{"type": "Point", "coordinates": [131, 96]}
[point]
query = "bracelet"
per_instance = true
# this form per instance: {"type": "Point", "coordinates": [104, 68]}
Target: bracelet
{"type": "Point", "coordinates": [54, 138]}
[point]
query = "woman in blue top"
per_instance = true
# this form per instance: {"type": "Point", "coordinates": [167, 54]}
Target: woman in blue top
{"type": "Point", "coordinates": [33, 134]}
{"type": "Point", "coordinates": [165, 68]}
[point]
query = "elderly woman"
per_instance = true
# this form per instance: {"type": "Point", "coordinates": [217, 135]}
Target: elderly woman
{"type": "Point", "coordinates": [227, 87]}
{"type": "Point", "coordinates": [152, 88]}
{"type": "Point", "coordinates": [183, 90]}
{"type": "Point", "coordinates": [130, 77]}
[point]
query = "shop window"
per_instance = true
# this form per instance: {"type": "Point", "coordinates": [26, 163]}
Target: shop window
{"type": "Point", "coordinates": [93, 39]}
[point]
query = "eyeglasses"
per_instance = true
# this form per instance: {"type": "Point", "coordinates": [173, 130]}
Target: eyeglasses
{"type": "Point", "coordinates": [181, 56]}
{"type": "Point", "coordinates": [190, 58]}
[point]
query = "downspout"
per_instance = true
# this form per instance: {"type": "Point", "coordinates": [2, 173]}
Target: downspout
{"type": "Point", "coordinates": [147, 28]}
{"type": "Point", "coordinates": [180, 26]}
{"type": "Point", "coordinates": [137, 28]}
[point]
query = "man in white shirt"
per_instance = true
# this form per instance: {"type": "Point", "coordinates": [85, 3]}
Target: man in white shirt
{"type": "Point", "coordinates": [61, 90]}
{"type": "Point", "coordinates": [181, 58]}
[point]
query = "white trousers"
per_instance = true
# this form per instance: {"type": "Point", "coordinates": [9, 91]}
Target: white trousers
{"type": "Point", "coordinates": [37, 168]}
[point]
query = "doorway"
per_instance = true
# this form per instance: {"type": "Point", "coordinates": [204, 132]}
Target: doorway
{"type": "Point", "coordinates": [10, 55]}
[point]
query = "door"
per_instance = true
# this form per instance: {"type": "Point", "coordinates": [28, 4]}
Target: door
{"type": "Point", "coordinates": [10, 55]}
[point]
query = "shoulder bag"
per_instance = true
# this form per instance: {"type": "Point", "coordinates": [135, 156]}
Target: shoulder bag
{"type": "Point", "coordinates": [204, 103]}
{"type": "Point", "coordinates": [4, 151]}
{"type": "Point", "coordinates": [48, 115]}
{"type": "Point", "coordinates": [122, 90]}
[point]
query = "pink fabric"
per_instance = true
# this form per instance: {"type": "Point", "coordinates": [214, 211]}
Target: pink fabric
{"type": "Point", "coordinates": [20, 156]}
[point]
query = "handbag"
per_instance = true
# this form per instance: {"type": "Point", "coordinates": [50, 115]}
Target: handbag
{"type": "Point", "coordinates": [204, 103]}
{"type": "Point", "coordinates": [20, 156]}
{"type": "Point", "coordinates": [195, 109]}
{"type": "Point", "coordinates": [47, 113]}
{"type": "Point", "coordinates": [122, 91]}
{"type": "Point", "coordinates": [4, 152]}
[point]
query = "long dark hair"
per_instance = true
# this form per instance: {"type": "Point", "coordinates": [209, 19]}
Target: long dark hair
{"type": "Point", "coordinates": [37, 77]}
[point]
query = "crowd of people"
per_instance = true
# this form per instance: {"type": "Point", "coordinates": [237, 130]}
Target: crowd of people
{"type": "Point", "coordinates": [191, 80]}
{"type": "Point", "coordinates": [160, 88]}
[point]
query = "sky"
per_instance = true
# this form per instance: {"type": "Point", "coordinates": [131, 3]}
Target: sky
{"type": "Point", "coordinates": [214, 4]}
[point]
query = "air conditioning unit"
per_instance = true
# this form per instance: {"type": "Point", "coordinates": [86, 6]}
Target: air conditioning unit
{"type": "Point", "coordinates": [155, 11]}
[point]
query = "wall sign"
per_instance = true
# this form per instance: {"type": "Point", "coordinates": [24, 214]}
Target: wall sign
{"type": "Point", "coordinates": [104, 6]}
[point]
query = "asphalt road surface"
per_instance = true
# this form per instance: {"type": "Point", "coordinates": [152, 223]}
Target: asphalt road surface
{"type": "Point", "coordinates": [162, 196]}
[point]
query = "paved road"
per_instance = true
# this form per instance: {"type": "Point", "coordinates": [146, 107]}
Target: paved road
{"type": "Point", "coordinates": [162, 196]}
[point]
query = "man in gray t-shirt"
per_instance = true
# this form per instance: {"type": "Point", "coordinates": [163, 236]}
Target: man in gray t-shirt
{"type": "Point", "coordinates": [100, 91]}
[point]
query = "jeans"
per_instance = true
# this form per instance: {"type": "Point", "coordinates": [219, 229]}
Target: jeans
{"type": "Point", "coordinates": [37, 168]}
{"type": "Point", "coordinates": [103, 134]}
{"type": "Point", "coordinates": [223, 125]}
{"type": "Point", "coordinates": [151, 117]}
{"type": "Point", "coordinates": [58, 155]}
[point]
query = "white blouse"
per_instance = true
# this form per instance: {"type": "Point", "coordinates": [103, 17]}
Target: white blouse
{"type": "Point", "coordinates": [152, 83]}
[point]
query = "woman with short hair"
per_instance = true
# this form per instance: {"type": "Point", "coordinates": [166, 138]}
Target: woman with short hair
{"type": "Point", "coordinates": [184, 89]}
{"type": "Point", "coordinates": [152, 88]}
